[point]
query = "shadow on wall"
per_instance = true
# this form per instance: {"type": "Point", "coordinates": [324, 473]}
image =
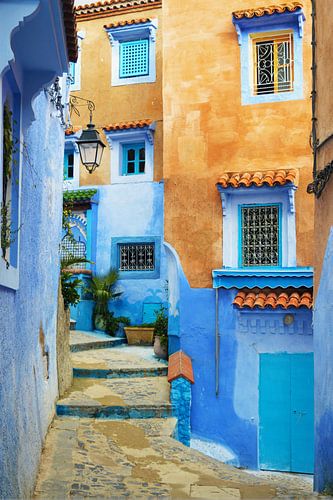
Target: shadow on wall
{"type": "Point", "coordinates": [192, 329]}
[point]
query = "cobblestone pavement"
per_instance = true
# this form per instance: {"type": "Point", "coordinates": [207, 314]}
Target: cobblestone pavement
{"type": "Point", "coordinates": [138, 459]}
{"type": "Point", "coordinates": [129, 455]}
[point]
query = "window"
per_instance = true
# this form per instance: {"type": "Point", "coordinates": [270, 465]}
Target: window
{"type": "Point", "coordinates": [132, 152]}
{"type": "Point", "coordinates": [134, 58]}
{"type": "Point", "coordinates": [260, 235]}
{"type": "Point", "coordinates": [137, 257]}
{"type": "Point", "coordinates": [273, 64]}
{"type": "Point", "coordinates": [74, 69]}
{"type": "Point", "coordinates": [133, 48]}
{"type": "Point", "coordinates": [69, 166]}
{"type": "Point", "coordinates": [134, 159]}
{"type": "Point", "coordinates": [271, 53]}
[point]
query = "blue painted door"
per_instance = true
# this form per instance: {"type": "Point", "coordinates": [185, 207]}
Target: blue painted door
{"type": "Point", "coordinates": [286, 417]}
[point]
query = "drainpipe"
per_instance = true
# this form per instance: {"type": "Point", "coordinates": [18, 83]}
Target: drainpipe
{"type": "Point", "coordinates": [217, 342]}
{"type": "Point", "coordinates": [314, 138]}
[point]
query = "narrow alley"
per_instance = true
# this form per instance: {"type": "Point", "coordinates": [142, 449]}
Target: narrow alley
{"type": "Point", "coordinates": [113, 436]}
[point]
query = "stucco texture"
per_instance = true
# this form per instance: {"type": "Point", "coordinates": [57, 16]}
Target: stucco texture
{"type": "Point", "coordinates": [28, 317]}
{"type": "Point", "coordinates": [207, 131]}
{"type": "Point", "coordinates": [117, 103]}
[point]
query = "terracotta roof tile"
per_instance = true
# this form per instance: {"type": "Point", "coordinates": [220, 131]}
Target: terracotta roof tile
{"type": "Point", "coordinates": [180, 365]}
{"type": "Point", "coordinates": [128, 125]}
{"type": "Point", "coordinates": [114, 7]}
{"type": "Point", "coordinates": [272, 299]}
{"type": "Point", "coordinates": [267, 177]}
{"type": "Point", "coordinates": [127, 22]}
{"type": "Point", "coordinates": [271, 9]}
{"type": "Point", "coordinates": [72, 130]}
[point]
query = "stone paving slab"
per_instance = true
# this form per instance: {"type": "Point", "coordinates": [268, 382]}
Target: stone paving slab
{"type": "Point", "coordinates": [84, 341]}
{"type": "Point", "coordinates": [119, 358]}
{"type": "Point", "coordinates": [138, 459]}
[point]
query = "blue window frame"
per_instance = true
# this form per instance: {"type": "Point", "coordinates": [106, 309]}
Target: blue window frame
{"type": "Point", "coordinates": [72, 71]}
{"type": "Point", "coordinates": [136, 257]}
{"type": "Point", "coordinates": [134, 158]}
{"type": "Point", "coordinates": [69, 166]}
{"type": "Point", "coordinates": [134, 58]}
{"type": "Point", "coordinates": [260, 235]}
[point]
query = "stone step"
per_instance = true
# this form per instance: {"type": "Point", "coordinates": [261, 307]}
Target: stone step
{"type": "Point", "coordinates": [120, 372]}
{"type": "Point", "coordinates": [85, 341]}
{"type": "Point", "coordinates": [124, 361]}
{"type": "Point", "coordinates": [117, 398]}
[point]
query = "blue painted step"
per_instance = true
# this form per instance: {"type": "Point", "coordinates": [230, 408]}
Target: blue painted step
{"type": "Point", "coordinates": [116, 412]}
{"type": "Point", "coordinates": [120, 372]}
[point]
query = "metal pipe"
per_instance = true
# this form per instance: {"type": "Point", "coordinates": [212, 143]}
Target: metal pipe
{"type": "Point", "coordinates": [314, 90]}
{"type": "Point", "coordinates": [217, 342]}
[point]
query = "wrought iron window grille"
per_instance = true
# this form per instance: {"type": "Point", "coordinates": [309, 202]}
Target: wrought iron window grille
{"type": "Point", "coordinates": [137, 257]}
{"type": "Point", "coordinates": [260, 235]}
{"type": "Point", "coordinates": [73, 249]}
{"type": "Point", "coordinates": [273, 68]}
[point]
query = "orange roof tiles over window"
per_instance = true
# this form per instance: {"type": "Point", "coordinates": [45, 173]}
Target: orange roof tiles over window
{"type": "Point", "coordinates": [113, 7]}
{"type": "Point", "coordinates": [272, 299]}
{"type": "Point", "coordinates": [258, 179]}
{"type": "Point", "coordinates": [127, 125]}
{"type": "Point", "coordinates": [72, 130]}
{"type": "Point", "coordinates": [127, 22]}
{"type": "Point", "coordinates": [272, 9]}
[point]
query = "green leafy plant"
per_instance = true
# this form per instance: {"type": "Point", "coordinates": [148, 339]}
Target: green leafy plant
{"type": "Point", "coordinates": [70, 285]}
{"type": "Point", "coordinates": [103, 289]}
{"type": "Point", "coordinates": [161, 326]}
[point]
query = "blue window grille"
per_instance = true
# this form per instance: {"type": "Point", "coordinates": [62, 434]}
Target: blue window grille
{"type": "Point", "coordinates": [69, 166]}
{"type": "Point", "coordinates": [260, 235]}
{"type": "Point", "coordinates": [136, 257]}
{"type": "Point", "coordinates": [134, 158]}
{"type": "Point", "coordinates": [134, 58]}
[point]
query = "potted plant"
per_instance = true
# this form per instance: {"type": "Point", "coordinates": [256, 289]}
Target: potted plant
{"type": "Point", "coordinates": [102, 290]}
{"type": "Point", "coordinates": [161, 334]}
{"type": "Point", "coordinates": [140, 334]}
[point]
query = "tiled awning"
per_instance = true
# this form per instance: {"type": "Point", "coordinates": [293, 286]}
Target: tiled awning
{"type": "Point", "coordinates": [268, 178]}
{"type": "Point", "coordinates": [273, 299]}
{"type": "Point", "coordinates": [269, 10]}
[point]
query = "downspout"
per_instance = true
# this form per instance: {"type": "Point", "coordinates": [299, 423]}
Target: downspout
{"type": "Point", "coordinates": [314, 139]}
{"type": "Point", "coordinates": [217, 342]}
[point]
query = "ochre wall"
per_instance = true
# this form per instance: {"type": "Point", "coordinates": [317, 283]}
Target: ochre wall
{"type": "Point", "coordinates": [324, 115]}
{"type": "Point", "coordinates": [121, 103]}
{"type": "Point", "coordinates": [207, 131]}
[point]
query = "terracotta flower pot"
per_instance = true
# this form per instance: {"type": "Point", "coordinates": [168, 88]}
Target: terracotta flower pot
{"type": "Point", "coordinates": [139, 335]}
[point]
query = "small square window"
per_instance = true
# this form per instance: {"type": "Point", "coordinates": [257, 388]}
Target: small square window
{"type": "Point", "coordinates": [134, 158]}
{"type": "Point", "coordinates": [260, 235]}
{"type": "Point", "coordinates": [134, 58]}
{"type": "Point", "coordinates": [273, 64]}
{"type": "Point", "coordinates": [136, 257]}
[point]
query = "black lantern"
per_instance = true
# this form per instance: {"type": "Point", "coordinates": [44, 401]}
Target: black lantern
{"type": "Point", "coordinates": [91, 148]}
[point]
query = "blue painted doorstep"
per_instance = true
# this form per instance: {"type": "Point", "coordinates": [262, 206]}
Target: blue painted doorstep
{"type": "Point", "coordinates": [286, 440]}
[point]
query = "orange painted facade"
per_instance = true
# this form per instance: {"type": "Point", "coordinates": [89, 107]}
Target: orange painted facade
{"type": "Point", "coordinates": [121, 103]}
{"type": "Point", "coordinates": [207, 131]}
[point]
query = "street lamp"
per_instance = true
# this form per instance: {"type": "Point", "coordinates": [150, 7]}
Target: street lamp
{"type": "Point", "coordinates": [90, 144]}
{"type": "Point", "coordinates": [91, 148]}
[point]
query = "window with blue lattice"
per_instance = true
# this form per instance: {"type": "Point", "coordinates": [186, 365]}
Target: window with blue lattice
{"type": "Point", "coordinates": [133, 52]}
{"type": "Point", "coordinates": [134, 158]}
{"type": "Point", "coordinates": [69, 166]}
{"type": "Point", "coordinates": [134, 58]}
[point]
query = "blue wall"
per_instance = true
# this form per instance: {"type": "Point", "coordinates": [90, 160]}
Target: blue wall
{"type": "Point", "coordinates": [323, 359]}
{"type": "Point", "coordinates": [125, 211]}
{"type": "Point", "coordinates": [231, 418]}
{"type": "Point", "coordinates": [26, 395]}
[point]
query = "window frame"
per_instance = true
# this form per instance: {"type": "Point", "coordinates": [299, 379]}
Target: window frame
{"type": "Point", "coordinates": [136, 146]}
{"type": "Point", "coordinates": [119, 138]}
{"type": "Point", "coordinates": [76, 85]}
{"type": "Point", "coordinates": [135, 240]}
{"type": "Point", "coordinates": [131, 33]}
{"type": "Point", "coordinates": [122, 55]}
{"type": "Point", "coordinates": [240, 235]}
{"type": "Point", "coordinates": [249, 28]}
